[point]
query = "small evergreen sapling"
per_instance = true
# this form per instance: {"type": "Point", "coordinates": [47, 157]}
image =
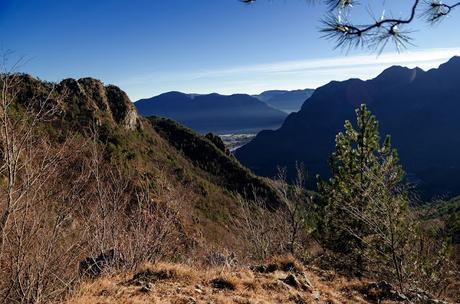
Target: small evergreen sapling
{"type": "Point", "coordinates": [364, 202]}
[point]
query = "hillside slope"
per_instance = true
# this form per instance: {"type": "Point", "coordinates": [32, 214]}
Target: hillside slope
{"type": "Point", "coordinates": [213, 113]}
{"type": "Point", "coordinates": [101, 191]}
{"type": "Point", "coordinates": [418, 109]}
{"type": "Point", "coordinates": [148, 149]}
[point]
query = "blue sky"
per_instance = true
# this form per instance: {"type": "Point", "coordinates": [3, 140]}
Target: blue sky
{"type": "Point", "coordinates": [151, 46]}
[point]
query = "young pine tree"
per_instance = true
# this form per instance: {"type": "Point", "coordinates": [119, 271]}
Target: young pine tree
{"type": "Point", "coordinates": [365, 176]}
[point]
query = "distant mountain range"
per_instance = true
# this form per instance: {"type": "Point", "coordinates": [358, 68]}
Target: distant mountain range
{"type": "Point", "coordinates": [239, 113]}
{"type": "Point", "coordinates": [421, 110]}
{"type": "Point", "coordinates": [287, 101]}
{"type": "Point", "coordinates": [267, 95]}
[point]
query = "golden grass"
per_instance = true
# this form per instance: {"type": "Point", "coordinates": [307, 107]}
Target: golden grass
{"type": "Point", "coordinates": [287, 263]}
{"type": "Point", "coordinates": [169, 271]}
{"type": "Point", "coordinates": [177, 283]}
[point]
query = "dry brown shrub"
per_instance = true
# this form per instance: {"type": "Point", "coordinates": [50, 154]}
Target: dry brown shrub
{"type": "Point", "coordinates": [62, 201]}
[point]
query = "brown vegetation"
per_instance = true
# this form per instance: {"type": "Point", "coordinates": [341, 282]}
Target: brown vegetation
{"type": "Point", "coordinates": [62, 201]}
{"type": "Point", "coordinates": [221, 285]}
{"type": "Point", "coordinates": [94, 199]}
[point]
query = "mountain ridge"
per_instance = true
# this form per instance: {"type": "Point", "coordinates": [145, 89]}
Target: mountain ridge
{"type": "Point", "coordinates": [285, 100]}
{"type": "Point", "coordinates": [213, 112]}
{"type": "Point", "coordinates": [407, 108]}
{"type": "Point", "coordinates": [86, 108]}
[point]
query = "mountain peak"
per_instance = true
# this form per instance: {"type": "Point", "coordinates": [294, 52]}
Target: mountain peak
{"type": "Point", "coordinates": [418, 109]}
{"type": "Point", "coordinates": [399, 75]}
{"type": "Point", "coordinates": [454, 60]}
{"type": "Point", "coordinates": [453, 63]}
{"type": "Point", "coordinates": [92, 100]}
{"type": "Point", "coordinates": [175, 94]}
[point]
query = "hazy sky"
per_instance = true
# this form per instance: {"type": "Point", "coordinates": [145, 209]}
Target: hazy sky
{"type": "Point", "coordinates": [151, 46]}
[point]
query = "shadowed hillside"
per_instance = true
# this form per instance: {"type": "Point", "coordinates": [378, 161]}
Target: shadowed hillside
{"type": "Point", "coordinates": [147, 145]}
{"type": "Point", "coordinates": [209, 154]}
{"type": "Point", "coordinates": [419, 109]}
{"type": "Point", "coordinates": [89, 177]}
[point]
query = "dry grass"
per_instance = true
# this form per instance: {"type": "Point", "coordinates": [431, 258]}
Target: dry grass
{"type": "Point", "coordinates": [176, 283]}
{"type": "Point", "coordinates": [168, 271]}
{"type": "Point", "coordinates": [287, 263]}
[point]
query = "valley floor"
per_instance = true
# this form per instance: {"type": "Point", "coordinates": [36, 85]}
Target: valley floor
{"type": "Point", "coordinates": [234, 141]}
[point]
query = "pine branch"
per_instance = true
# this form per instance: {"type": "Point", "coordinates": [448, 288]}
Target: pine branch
{"type": "Point", "coordinates": [376, 34]}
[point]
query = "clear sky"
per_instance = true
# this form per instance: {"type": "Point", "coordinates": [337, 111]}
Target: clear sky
{"type": "Point", "coordinates": [152, 46]}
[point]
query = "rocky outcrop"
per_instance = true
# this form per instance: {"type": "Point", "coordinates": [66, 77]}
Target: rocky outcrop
{"type": "Point", "coordinates": [101, 102]}
{"type": "Point", "coordinates": [298, 281]}
{"type": "Point", "coordinates": [217, 141]}
{"type": "Point", "coordinates": [384, 291]}
{"type": "Point", "coordinates": [381, 291]}
{"type": "Point", "coordinates": [84, 101]}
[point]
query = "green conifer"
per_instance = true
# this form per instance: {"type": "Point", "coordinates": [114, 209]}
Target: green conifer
{"type": "Point", "coordinates": [357, 165]}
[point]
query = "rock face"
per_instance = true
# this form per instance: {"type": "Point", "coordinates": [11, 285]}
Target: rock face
{"type": "Point", "coordinates": [83, 101]}
{"type": "Point", "coordinates": [103, 102]}
{"type": "Point", "coordinates": [217, 141]}
{"type": "Point", "coordinates": [418, 109]}
{"type": "Point", "coordinates": [91, 110]}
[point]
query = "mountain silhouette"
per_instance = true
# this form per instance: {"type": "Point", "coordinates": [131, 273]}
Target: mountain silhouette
{"type": "Point", "coordinates": [238, 113]}
{"type": "Point", "coordinates": [287, 101]}
{"type": "Point", "coordinates": [419, 109]}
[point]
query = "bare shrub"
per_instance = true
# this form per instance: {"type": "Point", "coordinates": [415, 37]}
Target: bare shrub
{"type": "Point", "coordinates": [286, 229]}
{"type": "Point", "coordinates": [297, 210]}
{"type": "Point", "coordinates": [429, 262]}
{"type": "Point", "coordinates": [62, 201]}
{"type": "Point", "coordinates": [142, 222]}
{"type": "Point", "coordinates": [262, 229]}
{"type": "Point", "coordinates": [35, 252]}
